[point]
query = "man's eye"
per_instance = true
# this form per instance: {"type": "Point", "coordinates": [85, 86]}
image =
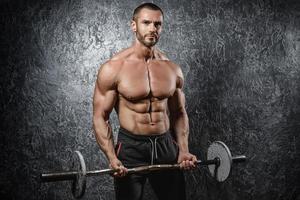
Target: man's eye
{"type": "Point", "coordinates": [146, 22]}
{"type": "Point", "coordinates": [157, 24]}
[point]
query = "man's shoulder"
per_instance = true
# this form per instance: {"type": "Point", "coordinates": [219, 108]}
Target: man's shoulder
{"type": "Point", "coordinates": [161, 56]}
{"type": "Point", "coordinates": [175, 67]}
{"type": "Point", "coordinates": [116, 61]}
{"type": "Point", "coordinates": [110, 66]}
{"type": "Point", "coordinates": [122, 55]}
{"type": "Point", "coordinates": [113, 66]}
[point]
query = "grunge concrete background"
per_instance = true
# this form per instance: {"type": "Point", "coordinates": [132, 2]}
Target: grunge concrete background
{"type": "Point", "coordinates": [241, 62]}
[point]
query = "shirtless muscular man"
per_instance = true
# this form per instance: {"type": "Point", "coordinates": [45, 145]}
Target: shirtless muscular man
{"type": "Point", "coordinates": [145, 88]}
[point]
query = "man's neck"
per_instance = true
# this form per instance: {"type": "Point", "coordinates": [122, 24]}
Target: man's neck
{"type": "Point", "coordinates": [143, 52]}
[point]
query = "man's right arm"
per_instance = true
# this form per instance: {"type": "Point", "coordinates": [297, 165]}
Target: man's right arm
{"type": "Point", "coordinates": [105, 97]}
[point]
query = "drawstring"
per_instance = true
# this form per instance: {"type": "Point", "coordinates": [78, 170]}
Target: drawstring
{"type": "Point", "coordinates": [153, 149]}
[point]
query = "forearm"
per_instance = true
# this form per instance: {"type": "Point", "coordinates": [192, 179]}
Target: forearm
{"type": "Point", "coordinates": [181, 129]}
{"type": "Point", "coordinates": [104, 137]}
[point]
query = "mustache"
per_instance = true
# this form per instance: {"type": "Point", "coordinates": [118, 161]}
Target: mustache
{"type": "Point", "coordinates": [151, 35]}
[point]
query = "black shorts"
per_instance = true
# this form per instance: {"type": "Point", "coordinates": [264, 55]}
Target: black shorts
{"type": "Point", "coordinates": [138, 150]}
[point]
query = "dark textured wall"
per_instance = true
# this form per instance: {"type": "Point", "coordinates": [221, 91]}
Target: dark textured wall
{"type": "Point", "coordinates": [241, 62]}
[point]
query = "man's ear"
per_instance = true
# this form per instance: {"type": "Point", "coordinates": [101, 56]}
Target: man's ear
{"type": "Point", "coordinates": [133, 25]}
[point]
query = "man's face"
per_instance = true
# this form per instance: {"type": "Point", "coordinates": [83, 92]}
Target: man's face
{"type": "Point", "coordinates": [147, 26]}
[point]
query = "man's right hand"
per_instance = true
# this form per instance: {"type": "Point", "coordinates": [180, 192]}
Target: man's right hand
{"type": "Point", "coordinates": [117, 165]}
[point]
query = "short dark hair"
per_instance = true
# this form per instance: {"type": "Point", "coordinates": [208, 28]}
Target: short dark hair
{"type": "Point", "coordinates": [150, 6]}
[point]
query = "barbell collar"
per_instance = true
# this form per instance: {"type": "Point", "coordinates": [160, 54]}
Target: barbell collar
{"type": "Point", "coordinates": [239, 159]}
{"type": "Point", "coordinates": [59, 176]}
{"type": "Point", "coordinates": [215, 161]}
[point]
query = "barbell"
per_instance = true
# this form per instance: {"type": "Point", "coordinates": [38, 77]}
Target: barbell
{"type": "Point", "coordinates": [219, 162]}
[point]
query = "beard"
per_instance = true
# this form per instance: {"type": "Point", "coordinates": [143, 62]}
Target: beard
{"type": "Point", "coordinates": [147, 41]}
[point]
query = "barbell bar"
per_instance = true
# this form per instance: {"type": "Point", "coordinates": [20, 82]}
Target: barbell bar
{"type": "Point", "coordinates": [219, 162]}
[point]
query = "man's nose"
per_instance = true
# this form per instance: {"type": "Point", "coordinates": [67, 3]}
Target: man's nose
{"type": "Point", "coordinates": [153, 27]}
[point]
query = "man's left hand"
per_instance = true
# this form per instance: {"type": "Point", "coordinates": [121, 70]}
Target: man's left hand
{"type": "Point", "coordinates": [187, 160]}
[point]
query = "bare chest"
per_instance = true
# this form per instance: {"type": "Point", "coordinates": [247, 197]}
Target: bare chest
{"type": "Point", "coordinates": [141, 80]}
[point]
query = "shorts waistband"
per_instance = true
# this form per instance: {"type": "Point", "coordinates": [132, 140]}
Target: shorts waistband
{"type": "Point", "coordinates": [129, 134]}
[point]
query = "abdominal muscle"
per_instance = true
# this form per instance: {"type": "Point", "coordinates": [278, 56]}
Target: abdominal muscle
{"type": "Point", "coordinates": [144, 117]}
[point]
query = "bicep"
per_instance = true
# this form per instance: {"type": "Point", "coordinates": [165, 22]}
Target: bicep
{"type": "Point", "coordinates": [105, 95]}
{"type": "Point", "coordinates": [103, 102]}
{"type": "Point", "coordinates": [176, 103]}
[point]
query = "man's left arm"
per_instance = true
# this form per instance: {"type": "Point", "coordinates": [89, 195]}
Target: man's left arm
{"type": "Point", "coordinates": [179, 123]}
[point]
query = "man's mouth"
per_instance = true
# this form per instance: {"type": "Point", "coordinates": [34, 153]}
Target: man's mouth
{"type": "Point", "coordinates": [151, 36]}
